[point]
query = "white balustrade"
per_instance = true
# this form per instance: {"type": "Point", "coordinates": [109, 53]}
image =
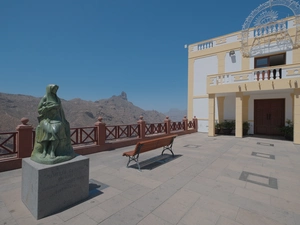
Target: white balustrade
{"type": "Point", "coordinates": [205, 45]}
{"type": "Point", "coordinates": [266, 29]}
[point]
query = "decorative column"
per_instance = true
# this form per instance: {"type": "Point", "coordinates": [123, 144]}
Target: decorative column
{"type": "Point", "coordinates": [101, 131]}
{"type": "Point", "coordinates": [297, 116]}
{"type": "Point", "coordinates": [220, 101]}
{"type": "Point", "coordinates": [168, 125]}
{"type": "Point", "coordinates": [293, 111]}
{"type": "Point", "coordinates": [24, 139]}
{"type": "Point", "coordinates": [142, 127]}
{"type": "Point", "coordinates": [211, 115]}
{"type": "Point", "coordinates": [195, 122]}
{"type": "Point", "coordinates": [185, 123]}
{"type": "Point", "coordinates": [239, 114]}
{"type": "Point", "coordinates": [245, 107]}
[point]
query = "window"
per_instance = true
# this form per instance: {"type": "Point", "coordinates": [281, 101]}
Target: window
{"type": "Point", "coordinates": [271, 60]}
{"type": "Point", "coordinates": [266, 61]}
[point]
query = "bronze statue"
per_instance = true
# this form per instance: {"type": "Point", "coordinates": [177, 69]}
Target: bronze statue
{"type": "Point", "coordinates": [52, 141]}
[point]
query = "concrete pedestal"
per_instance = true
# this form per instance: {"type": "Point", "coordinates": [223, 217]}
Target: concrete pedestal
{"type": "Point", "coordinates": [47, 189]}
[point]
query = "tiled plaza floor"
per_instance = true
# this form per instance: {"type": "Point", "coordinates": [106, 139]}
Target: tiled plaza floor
{"type": "Point", "coordinates": [219, 180]}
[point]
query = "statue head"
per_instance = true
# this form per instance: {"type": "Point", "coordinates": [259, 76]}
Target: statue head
{"type": "Point", "coordinates": [51, 89]}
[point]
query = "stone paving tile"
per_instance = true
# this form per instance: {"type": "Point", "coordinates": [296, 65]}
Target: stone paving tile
{"type": "Point", "coordinates": [296, 218]}
{"type": "Point", "coordinates": [231, 173]}
{"type": "Point", "coordinates": [285, 204]}
{"type": "Point", "coordinates": [293, 196]}
{"type": "Point", "coordinates": [71, 212]}
{"type": "Point", "coordinates": [199, 188]}
{"type": "Point", "coordinates": [103, 177]}
{"type": "Point", "coordinates": [173, 209]}
{"type": "Point", "coordinates": [97, 214]}
{"type": "Point", "coordinates": [30, 220]}
{"type": "Point", "coordinates": [233, 181]}
{"type": "Point", "coordinates": [115, 204]}
{"type": "Point", "coordinates": [106, 194]}
{"type": "Point", "coordinates": [9, 221]}
{"type": "Point", "coordinates": [4, 213]}
{"type": "Point", "coordinates": [153, 220]}
{"type": "Point", "coordinates": [210, 171]}
{"type": "Point", "coordinates": [247, 217]}
{"type": "Point", "coordinates": [215, 184]}
{"type": "Point", "coordinates": [135, 192]}
{"type": "Point", "coordinates": [120, 184]}
{"type": "Point", "coordinates": [144, 181]}
{"type": "Point", "coordinates": [14, 204]}
{"type": "Point", "coordinates": [220, 163]}
{"type": "Point", "coordinates": [225, 221]}
{"type": "Point", "coordinates": [268, 211]}
{"type": "Point", "coordinates": [126, 216]}
{"type": "Point", "coordinates": [153, 199]}
{"type": "Point", "coordinates": [262, 189]}
{"type": "Point", "coordinates": [198, 214]}
{"type": "Point", "coordinates": [81, 219]}
{"type": "Point", "coordinates": [254, 195]}
{"type": "Point", "coordinates": [221, 208]}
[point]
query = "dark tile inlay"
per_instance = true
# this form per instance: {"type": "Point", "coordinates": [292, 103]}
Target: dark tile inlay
{"type": "Point", "coordinates": [263, 155]}
{"type": "Point", "coordinates": [192, 146]}
{"type": "Point", "coordinates": [265, 144]}
{"type": "Point", "coordinates": [271, 182]}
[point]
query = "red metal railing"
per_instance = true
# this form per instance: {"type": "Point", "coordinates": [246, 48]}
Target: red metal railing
{"type": "Point", "coordinates": [83, 135]}
{"type": "Point", "coordinates": [8, 143]}
{"type": "Point", "coordinates": [90, 135]}
{"type": "Point", "coordinates": [122, 131]}
{"type": "Point", "coordinates": [176, 126]}
{"type": "Point", "coordinates": [155, 128]}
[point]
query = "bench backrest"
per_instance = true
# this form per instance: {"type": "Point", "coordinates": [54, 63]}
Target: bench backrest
{"type": "Point", "coordinates": [144, 146]}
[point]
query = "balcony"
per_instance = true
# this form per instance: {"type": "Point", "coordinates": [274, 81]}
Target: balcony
{"type": "Point", "coordinates": [268, 78]}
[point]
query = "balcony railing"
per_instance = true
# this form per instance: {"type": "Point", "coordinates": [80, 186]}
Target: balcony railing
{"type": "Point", "coordinates": [155, 128]}
{"type": "Point", "coordinates": [258, 74]}
{"type": "Point", "coordinates": [121, 131]}
{"type": "Point", "coordinates": [17, 145]}
{"type": "Point", "coordinates": [8, 144]}
{"type": "Point", "coordinates": [83, 135]}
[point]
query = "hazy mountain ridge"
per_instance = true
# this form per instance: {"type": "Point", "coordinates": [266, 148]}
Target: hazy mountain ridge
{"type": "Point", "coordinates": [176, 114]}
{"type": "Point", "coordinates": [116, 110]}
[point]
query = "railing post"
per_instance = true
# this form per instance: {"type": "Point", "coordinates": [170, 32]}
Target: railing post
{"type": "Point", "coordinates": [168, 125]}
{"type": "Point", "coordinates": [142, 128]}
{"type": "Point", "coordinates": [195, 122]}
{"type": "Point", "coordinates": [24, 138]}
{"type": "Point", "coordinates": [101, 131]}
{"type": "Point", "coordinates": [185, 123]}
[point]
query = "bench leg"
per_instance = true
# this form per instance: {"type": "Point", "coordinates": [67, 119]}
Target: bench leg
{"type": "Point", "coordinates": [134, 158]}
{"type": "Point", "coordinates": [167, 148]}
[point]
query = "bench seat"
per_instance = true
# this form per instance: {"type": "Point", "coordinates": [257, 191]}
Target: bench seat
{"type": "Point", "coordinates": [144, 146]}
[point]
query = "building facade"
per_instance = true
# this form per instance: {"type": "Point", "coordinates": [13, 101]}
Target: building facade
{"type": "Point", "coordinates": [249, 76]}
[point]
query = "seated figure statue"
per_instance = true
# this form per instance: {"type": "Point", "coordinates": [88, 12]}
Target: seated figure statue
{"type": "Point", "coordinates": [52, 140]}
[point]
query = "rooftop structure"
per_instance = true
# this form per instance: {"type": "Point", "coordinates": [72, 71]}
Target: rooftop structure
{"type": "Point", "coordinates": [252, 75]}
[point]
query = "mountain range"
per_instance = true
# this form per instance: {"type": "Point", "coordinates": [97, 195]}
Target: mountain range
{"type": "Point", "coordinates": [116, 110]}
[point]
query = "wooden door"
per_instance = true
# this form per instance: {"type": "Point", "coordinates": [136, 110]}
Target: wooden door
{"type": "Point", "coordinates": [268, 116]}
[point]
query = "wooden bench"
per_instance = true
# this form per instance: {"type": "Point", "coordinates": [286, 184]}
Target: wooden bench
{"type": "Point", "coordinates": [144, 146]}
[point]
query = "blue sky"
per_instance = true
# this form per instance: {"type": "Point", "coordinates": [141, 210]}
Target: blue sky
{"type": "Point", "coordinates": [96, 49]}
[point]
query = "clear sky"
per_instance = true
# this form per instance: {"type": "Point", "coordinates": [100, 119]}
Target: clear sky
{"type": "Point", "coordinates": [96, 49]}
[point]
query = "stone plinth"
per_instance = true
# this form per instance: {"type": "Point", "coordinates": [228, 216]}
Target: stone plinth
{"type": "Point", "coordinates": [47, 189]}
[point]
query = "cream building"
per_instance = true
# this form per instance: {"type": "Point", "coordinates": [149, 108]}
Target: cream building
{"type": "Point", "coordinates": [252, 75]}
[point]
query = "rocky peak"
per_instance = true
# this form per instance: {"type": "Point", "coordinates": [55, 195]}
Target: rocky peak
{"type": "Point", "coordinates": [123, 95]}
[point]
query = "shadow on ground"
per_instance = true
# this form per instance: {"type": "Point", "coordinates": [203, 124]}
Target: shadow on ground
{"type": "Point", "coordinates": [154, 162]}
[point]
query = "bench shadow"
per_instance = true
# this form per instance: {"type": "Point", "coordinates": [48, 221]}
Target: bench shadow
{"type": "Point", "coordinates": [155, 162]}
